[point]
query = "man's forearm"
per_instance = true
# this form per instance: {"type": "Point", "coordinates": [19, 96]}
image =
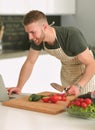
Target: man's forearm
{"type": "Point", "coordinates": [88, 74]}
{"type": "Point", "coordinates": [24, 75]}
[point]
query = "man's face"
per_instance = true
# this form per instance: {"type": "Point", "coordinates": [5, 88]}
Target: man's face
{"type": "Point", "coordinates": [35, 32]}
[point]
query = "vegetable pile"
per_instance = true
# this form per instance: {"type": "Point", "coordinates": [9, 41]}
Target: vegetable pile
{"type": "Point", "coordinates": [52, 98]}
{"type": "Point", "coordinates": [82, 107]}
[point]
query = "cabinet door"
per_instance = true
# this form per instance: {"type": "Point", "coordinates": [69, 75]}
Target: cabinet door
{"type": "Point", "coordinates": [38, 5]}
{"type": "Point", "coordinates": [54, 7]}
{"type": "Point", "coordinates": [61, 7]}
{"type": "Point", "coordinates": [22, 6]}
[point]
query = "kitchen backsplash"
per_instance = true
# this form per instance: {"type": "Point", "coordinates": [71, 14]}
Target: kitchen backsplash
{"type": "Point", "coordinates": [14, 37]}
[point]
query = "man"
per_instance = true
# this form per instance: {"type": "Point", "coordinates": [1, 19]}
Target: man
{"type": "Point", "coordinates": [65, 43]}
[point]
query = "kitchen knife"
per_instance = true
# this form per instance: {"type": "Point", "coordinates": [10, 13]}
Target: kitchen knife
{"type": "Point", "coordinates": [59, 87]}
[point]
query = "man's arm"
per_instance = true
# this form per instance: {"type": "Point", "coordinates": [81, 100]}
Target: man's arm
{"type": "Point", "coordinates": [25, 72]}
{"type": "Point", "coordinates": [87, 59]}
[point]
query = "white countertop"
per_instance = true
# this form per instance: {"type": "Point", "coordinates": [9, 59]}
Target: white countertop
{"type": "Point", "coordinates": [19, 119]}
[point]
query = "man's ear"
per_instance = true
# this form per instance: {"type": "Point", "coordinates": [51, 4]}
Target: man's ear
{"type": "Point", "coordinates": [45, 26]}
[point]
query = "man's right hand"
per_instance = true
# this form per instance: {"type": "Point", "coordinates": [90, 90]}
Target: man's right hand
{"type": "Point", "coordinates": [12, 90]}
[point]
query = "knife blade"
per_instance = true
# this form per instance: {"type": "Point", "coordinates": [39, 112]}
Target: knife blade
{"type": "Point", "coordinates": [59, 87]}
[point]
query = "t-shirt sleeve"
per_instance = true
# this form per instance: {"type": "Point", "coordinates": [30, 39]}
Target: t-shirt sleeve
{"type": "Point", "coordinates": [76, 43]}
{"type": "Point", "coordinates": [36, 47]}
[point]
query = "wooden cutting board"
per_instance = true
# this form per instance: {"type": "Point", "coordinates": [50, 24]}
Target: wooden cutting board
{"type": "Point", "coordinates": [39, 106]}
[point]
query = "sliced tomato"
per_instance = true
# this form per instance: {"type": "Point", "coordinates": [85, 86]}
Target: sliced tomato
{"type": "Point", "coordinates": [54, 98]}
{"type": "Point", "coordinates": [61, 96]}
{"type": "Point", "coordinates": [46, 99]}
{"type": "Point", "coordinates": [64, 98]}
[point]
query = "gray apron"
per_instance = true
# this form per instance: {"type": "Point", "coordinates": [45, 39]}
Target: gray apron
{"type": "Point", "coordinates": [71, 70]}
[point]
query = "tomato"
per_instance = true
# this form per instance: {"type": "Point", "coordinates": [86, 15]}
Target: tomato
{"type": "Point", "coordinates": [88, 101]}
{"type": "Point", "coordinates": [72, 102]}
{"type": "Point", "coordinates": [46, 99]}
{"type": "Point", "coordinates": [64, 98]}
{"type": "Point", "coordinates": [77, 103]}
{"type": "Point", "coordinates": [54, 98]}
{"type": "Point", "coordinates": [83, 105]}
{"type": "Point", "coordinates": [80, 99]}
{"type": "Point", "coordinates": [61, 96]}
{"type": "Point", "coordinates": [58, 96]}
{"type": "Point", "coordinates": [81, 102]}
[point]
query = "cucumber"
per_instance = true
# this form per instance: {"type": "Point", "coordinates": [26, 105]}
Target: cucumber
{"type": "Point", "coordinates": [35, 97]}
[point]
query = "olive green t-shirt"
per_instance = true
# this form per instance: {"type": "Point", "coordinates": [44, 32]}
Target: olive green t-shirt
{"type": "Point", "coordinates": [70, 39]}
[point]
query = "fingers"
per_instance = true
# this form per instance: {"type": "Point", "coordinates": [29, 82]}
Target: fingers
{"type": "Point", "coordinates": [13, 90]}
{"type": "Point", "coordinates": [73, 91]}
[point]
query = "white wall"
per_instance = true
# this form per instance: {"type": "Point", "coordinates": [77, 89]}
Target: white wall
{"type": "Point", "coordinates": [84, 19]}
{"type": "Point", "coordinates": [46, 70]}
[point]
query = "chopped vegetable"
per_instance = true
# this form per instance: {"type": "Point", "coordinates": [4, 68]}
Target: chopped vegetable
{"type": "Point", "coordinates": [35, 97]}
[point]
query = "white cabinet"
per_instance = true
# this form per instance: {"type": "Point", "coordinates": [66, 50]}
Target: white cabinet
{"type": "Point", "coordinates": [61, 7]}
{"type": "Point", "coordinates": [54, 7]}
{"type": "Point", "coordinates": [49, 7]}
{"type": "Point", "coordinates": [38, 5]}
{"type": "Point", "coordinates": [13, 7]}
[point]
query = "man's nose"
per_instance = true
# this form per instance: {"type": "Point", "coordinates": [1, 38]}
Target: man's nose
{"type": "Point", "coordinates": [30, 37]}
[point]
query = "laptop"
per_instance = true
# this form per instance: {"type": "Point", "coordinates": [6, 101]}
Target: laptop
{"type": "Point", "coordinates": [4, 94]}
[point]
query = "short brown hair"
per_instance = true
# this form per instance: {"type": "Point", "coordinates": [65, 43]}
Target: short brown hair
{"type": "Point", "coordinates": [33, 16]}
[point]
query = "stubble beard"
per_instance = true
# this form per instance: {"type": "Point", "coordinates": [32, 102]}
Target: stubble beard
{"type": "Point", "coordinates": [38, 41]}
